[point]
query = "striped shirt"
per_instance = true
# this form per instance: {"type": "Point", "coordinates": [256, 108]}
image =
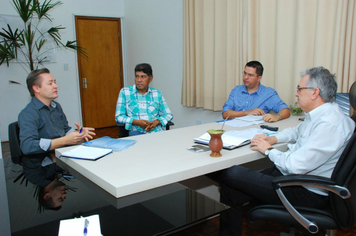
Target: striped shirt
{"type": "Point", "coordinates": [132, 105]}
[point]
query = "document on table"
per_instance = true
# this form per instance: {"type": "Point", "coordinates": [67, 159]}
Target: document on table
{"type": "Point", "coordinates": [111, 143]}
{"type": "Point", "coordinates": [244, 121]}
{"type": "Point", "coordinates": [87, 153]}
{"type": "Point", "coordinates": [76, 226]}
{"type": "Point", "coordinates": [234, 138]}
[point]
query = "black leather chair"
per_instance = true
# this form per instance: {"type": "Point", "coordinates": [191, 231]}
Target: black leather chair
{"type": "Point", "coordinates": [341, 210]}
{"type": "Point", "coordinates": [352, 98]}
{"type": "Point", "coordinates": [14, 142]}
{"type": "Point", "coordinates": [15, 150]}
{"type": "Point", "coordinates": [125, 133]}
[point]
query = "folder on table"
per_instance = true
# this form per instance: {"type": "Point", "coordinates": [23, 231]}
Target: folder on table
{"type": "Point", "coordinates": [231, 139]}
{"type": "Point", "coordinates": [87, 153]}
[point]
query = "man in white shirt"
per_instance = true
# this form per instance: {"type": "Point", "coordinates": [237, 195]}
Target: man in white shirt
{"type": "Point", "coordinates": [314, 148]}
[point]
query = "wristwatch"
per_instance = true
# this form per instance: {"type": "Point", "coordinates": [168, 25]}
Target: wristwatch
{"type": "Point", "coordinates": [268, 150]}
{"type": "Point", "coordinates": [279, 115]}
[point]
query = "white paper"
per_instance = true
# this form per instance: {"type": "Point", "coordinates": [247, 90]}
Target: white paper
{"type": "Point", "coordinates": [245, 121]}
{"type": "Point", "coordinates": [250, 118]}
{"type": "Point", "coordinates": [73, 227]}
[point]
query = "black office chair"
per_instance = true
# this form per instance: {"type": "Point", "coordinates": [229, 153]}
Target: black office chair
{"type": "Point", "coordinates": [352, 98]}
{"type": "Point", "coordinates": [15, 150]}
{"type": "Point", "coordinates": [125, 133]}
{"type": "Point", "coordinates": [341, 210]}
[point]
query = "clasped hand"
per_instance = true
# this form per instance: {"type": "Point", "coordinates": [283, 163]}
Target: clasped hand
{"type": "Point", "coordinates": [261, 142]}
{"type": "Point", "coordinates": [147, 125]}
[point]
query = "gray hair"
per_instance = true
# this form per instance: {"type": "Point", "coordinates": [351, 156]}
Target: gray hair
{"type": "Point", "coordinates": [320, 77]}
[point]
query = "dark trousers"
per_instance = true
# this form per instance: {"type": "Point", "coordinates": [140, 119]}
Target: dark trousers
{"type": "Point", "coordinates": [240, 185]}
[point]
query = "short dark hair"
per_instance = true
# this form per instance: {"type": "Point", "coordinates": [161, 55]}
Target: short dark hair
{"type": "Point", "coordinates": [145, 68]}
{"type": "Point", "coordinates": [257, 65]}
{"type": "Point", "coordinates": [34, 78]}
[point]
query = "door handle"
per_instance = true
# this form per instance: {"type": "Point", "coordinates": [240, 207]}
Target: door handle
{"type": "Point", "coordinates": [85, 83]}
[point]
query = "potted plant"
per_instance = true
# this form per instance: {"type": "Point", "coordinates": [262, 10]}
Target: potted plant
{"type": "Point", "coordinates": [27, 45]}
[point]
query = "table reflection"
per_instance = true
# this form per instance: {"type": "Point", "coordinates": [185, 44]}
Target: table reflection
{"type": "Point", "coordinates": [49, 179]}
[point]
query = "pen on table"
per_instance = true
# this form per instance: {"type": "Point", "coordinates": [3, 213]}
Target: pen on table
{"type": "Point", "coordinates": [81, 129]}
{"type": "Point", "coordinates": [86, 223]}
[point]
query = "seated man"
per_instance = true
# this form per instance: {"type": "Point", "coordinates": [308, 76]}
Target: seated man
{"type": "Point", "coordinates": [43, 125]}
{"type": "Point", "coordinates": [141, 108]}
{"type": "Point", "coordinates": [312, 151]}
{"type": "Point", "coordinates": [252, 98]}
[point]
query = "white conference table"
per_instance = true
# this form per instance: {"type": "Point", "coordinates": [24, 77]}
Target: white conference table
{"type": "Point", "coordinates": [159, 159]}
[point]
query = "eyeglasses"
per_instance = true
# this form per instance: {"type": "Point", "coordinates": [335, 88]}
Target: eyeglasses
{"type": "Point", "coordinates": [300, 88]}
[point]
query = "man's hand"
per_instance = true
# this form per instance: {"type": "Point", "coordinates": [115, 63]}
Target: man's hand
{"type": "Point", "coordinates": [152, 125]}
{"type": "Point", "coordinates": [142, 123]}
{"type": "Point", "coordinates": [146, 125]}
{"type": "Point", "coordinates": [261, 142]}
{"type": "Point", "coordinates": [73, 138]}
{"type": "Point", "coordinates": [87, 133]}
{"type": "Point", "coordinates": [270, 117]}
{"type": "Point", "coordinates": [256, 112]}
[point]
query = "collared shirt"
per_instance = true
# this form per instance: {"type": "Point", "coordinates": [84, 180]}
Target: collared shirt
{"type": "Point", "coordinates": [132, 105]}
{"type": "Point", "coordinates": [39, 124]}
{"type": "Point", "coordinates": [317, 143]}
{"type": "Point", "coordinates": [265, 98]}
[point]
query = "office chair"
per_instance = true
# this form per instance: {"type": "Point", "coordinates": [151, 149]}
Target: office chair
{"type": "Point", "coordinates": [352, 98]}
{"type": "Point", "coordinates": [125, 133]}
{"type": "Point", "coordinates": [15, 150]}
{"type": "Point", "coordinates": [341, 210]}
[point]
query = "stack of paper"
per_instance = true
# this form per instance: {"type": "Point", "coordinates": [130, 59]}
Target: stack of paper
{"type": "Point", "coordinates": [234, 138]}
{"type": "Point", "coordinates": [244, 121]}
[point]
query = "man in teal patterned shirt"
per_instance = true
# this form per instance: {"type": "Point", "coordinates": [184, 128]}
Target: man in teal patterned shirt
{"type": "Point", "coordinates": [141, 108]}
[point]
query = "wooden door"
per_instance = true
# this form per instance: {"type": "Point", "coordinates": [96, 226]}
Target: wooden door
{"type": "Point", "coordinates": [100, 75]}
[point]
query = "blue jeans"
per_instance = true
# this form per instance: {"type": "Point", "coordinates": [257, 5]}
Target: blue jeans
{"type": "Point", "coordinates": [136, 132]}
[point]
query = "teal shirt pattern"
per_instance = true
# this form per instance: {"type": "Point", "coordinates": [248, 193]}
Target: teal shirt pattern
{"type": "Point", "coordinates": [132, 105]}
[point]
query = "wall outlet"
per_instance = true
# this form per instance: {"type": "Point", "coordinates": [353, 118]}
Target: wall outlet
{"type": "Point", "coordinates": [199, 122]}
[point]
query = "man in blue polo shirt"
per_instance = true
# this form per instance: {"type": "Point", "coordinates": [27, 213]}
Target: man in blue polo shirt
{"type": "Point", "coordinates": [252, 98]}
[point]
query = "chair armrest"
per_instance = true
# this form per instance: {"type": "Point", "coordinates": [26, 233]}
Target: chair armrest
{"type": "Point", "coordinates": [170, 123]}
{"type": "Point", "coordinates": [311, 181]}
{"type": "Point", "coordinates": [122, 131]}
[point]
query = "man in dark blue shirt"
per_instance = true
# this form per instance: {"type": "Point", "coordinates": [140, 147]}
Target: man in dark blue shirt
{"type": "Point", "coordinates": [43, 125]}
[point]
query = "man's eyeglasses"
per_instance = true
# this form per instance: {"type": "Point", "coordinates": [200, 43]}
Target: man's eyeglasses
{"type": "Point", "coordinates": [300, 88]}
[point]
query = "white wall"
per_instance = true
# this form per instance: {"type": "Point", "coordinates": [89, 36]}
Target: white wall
{"type": "Point", "coordinates": [13, 98]}
{"type": "Point", "coordinates": [154, 34]}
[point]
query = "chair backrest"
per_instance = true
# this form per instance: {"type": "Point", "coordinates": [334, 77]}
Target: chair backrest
{"type": "Point", "coordinates": [352, 99]}
{"type": "Point", "coordinates": [14, 141]}
{"type": "Point", "coordinates": [344, 174]}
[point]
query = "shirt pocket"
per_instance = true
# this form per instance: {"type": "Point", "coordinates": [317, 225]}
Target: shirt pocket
{"type": "Point", "coordinates": [132, 107]}
{"type": "Point", "coordinates": [153, 107]}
